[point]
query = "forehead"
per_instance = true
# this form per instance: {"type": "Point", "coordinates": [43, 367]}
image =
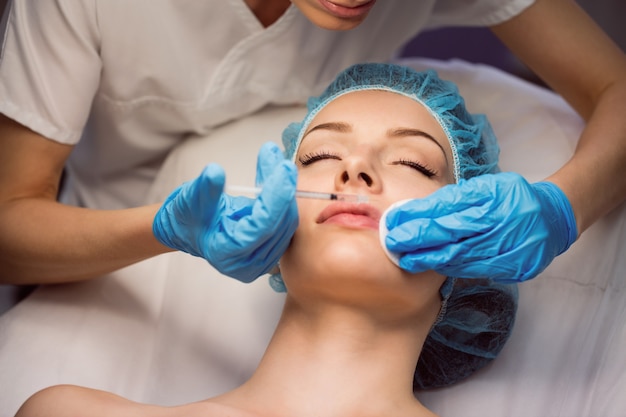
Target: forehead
{"type": "Point", "coordinates": [376, 109]}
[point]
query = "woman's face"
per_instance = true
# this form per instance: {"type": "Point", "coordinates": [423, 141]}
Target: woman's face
{"type": "Point", "coordinates": [377, 144]}
{"type": "Point", "coordinates": [335, 14]}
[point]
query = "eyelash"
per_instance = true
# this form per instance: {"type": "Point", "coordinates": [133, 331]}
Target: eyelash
{"type": "Point", "coordinates": [309, 158]}
{"type": "Point", "coordinates": [417, 166]}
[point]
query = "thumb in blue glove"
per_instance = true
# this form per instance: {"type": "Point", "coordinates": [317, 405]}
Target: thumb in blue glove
{"type": "Point", "coordinates": [241, 237]}
{"type": "Point", "coordinates": [497, 226]}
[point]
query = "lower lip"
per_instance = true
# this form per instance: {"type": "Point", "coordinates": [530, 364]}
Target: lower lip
{"type": "Point", "coordinates": [355, 221]}
{"type": "Point", "coordinates": [347, 12]}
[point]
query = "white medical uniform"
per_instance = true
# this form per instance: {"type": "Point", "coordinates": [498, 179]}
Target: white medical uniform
{"type": "Point", "coordinates": [127, 81]}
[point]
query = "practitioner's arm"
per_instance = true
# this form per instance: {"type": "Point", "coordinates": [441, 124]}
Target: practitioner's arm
{"type": "Point", "coordinates": [43, 241]}
{"type": "Point", "coordinates": [558, 41]}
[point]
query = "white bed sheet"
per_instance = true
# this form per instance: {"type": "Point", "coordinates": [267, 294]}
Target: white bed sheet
{"type": "Point", "coordinates": [172, 330]}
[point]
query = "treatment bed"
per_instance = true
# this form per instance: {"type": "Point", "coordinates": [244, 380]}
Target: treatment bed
{"type": "Point", "coordinates": [172, 330]}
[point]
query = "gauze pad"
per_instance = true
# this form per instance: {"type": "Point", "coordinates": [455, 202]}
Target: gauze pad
{"type": "Point", "coordinates": [382, 231]}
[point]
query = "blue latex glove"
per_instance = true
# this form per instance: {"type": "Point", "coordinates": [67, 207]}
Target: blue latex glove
{"type": "Point", "coordinates": [497, 226]}
{"type": "Point", "coordinates": [241, 237]}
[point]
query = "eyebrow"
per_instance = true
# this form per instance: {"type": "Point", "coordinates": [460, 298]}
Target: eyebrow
{"type": "Point", "coordinates": [342, 127]}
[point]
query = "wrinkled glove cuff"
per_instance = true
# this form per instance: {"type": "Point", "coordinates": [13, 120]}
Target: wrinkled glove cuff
{"type": "Point", "coordinates": [165, 232]}
{"type": "Point", "coordinates": [560, 214]}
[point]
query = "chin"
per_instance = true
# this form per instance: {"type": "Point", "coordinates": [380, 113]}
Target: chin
{"type": "Point", "coordinates": [354, 263]}
{"type": "Point", "coordinates": [347, 267]}
{"type": "Point", "coordinates": [326, 21]}
{"type": "Point", "coordinates": [338, 25]}
{"type": "Point", "coordinates": [362, 262]}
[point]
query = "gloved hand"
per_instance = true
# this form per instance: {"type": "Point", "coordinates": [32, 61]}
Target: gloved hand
{"type": "Point", "coordinates": [241, 237]}
{"type": "Point", "coordinates": [497, 226]}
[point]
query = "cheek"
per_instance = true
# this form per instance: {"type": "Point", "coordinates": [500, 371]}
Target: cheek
{"type": "Point", "coordinates": [402, 187]}
{"type": "Point", "coordinates": [306, 182]}
{"type": "Point", "coordinates": [295, 262]}
{"type": "Point", "coordinates": [317, 177]}
{"type": "Point", "coordinates": [308, 210]}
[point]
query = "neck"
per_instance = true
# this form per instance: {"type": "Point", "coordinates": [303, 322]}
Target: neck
{"type": "Point", "coordinates": [337, 363]}
{"type": "Point", "coordinates": [268, 11]}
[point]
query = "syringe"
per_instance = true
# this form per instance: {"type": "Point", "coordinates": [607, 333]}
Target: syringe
{"type": "Point", "coordinates": [355, 198]}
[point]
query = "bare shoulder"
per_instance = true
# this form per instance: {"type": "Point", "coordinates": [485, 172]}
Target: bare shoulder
{"type": "Point", "coordinates": [71, 401]}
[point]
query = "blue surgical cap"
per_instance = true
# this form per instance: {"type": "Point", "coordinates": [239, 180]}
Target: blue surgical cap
{"type": "Point", "coordinates": [477, 315]}
{"type": "Point", "coordinates": [476, 320]}
{"type": "Point", "coordinates": [474, 147]}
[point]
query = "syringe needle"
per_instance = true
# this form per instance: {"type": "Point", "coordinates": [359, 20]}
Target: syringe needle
{"type": "Point", "coordinates": [356, 198]}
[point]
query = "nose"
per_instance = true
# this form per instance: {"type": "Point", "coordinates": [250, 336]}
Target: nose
{"type": "Point", "coordinates": [345, 177]}
{"type": "Point", "coordinates": [357, 172]}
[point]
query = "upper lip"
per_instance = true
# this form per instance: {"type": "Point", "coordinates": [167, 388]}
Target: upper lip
{"type": "Point", "coordinates": [340, 207]}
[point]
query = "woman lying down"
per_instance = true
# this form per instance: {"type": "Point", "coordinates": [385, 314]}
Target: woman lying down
{"type": "Point", "coordinates": [357, 334]}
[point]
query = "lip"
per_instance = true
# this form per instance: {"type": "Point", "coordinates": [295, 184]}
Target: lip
{"type": "Point", "coordinates": [348, 12]}
{"type": "Point", "coordinates": [353, 215]}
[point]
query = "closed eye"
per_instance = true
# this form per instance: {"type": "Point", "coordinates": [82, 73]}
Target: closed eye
{"type": "Point", "coordinates": [309, 158]}
{"type": "Point", "coordinates": [416, 166]}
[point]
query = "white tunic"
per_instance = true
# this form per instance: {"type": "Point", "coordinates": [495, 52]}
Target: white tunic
{"type": "Point", "coordinates": [133, 78]}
